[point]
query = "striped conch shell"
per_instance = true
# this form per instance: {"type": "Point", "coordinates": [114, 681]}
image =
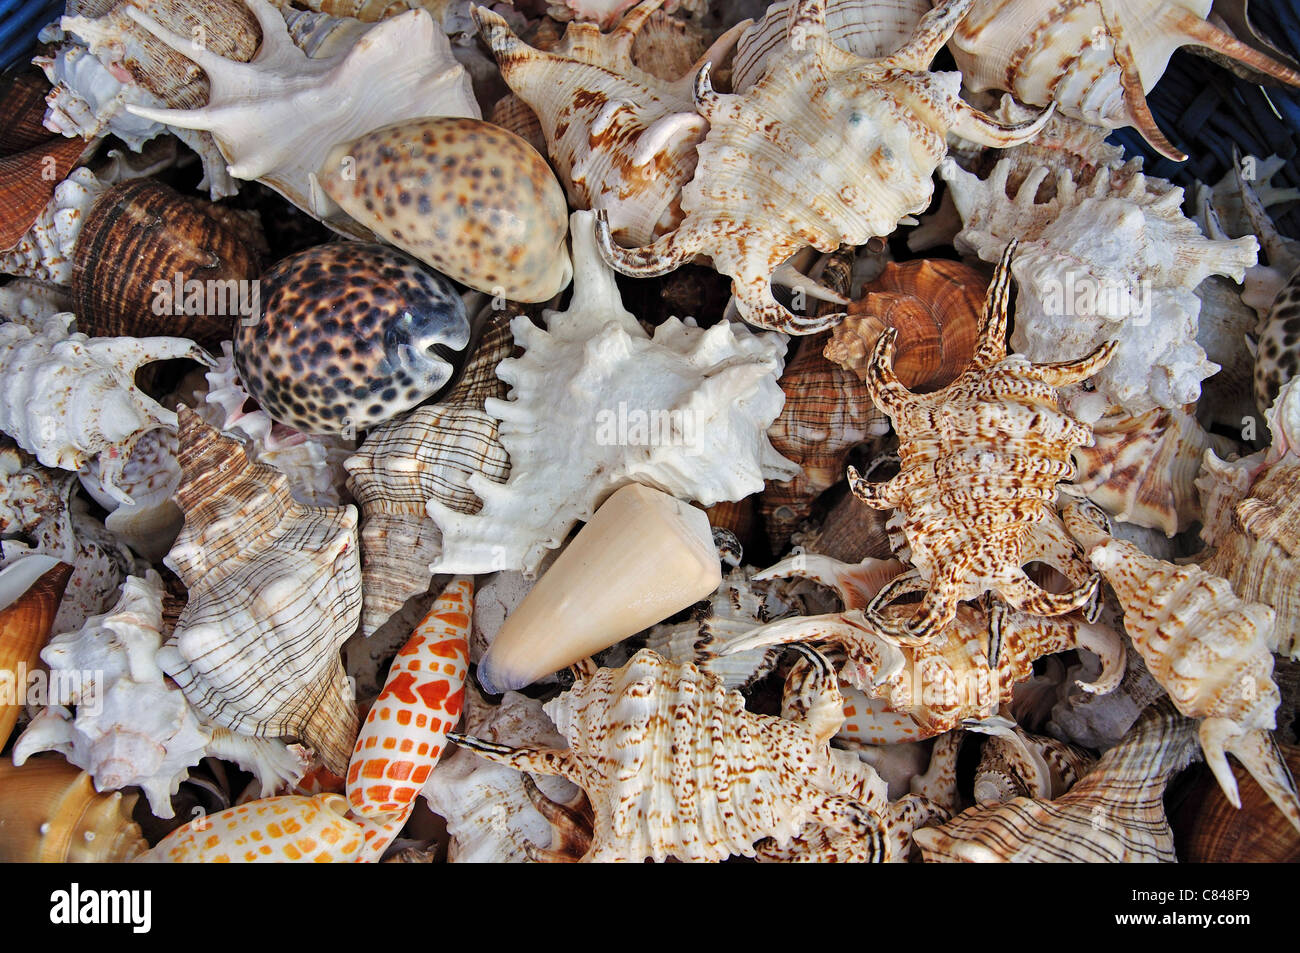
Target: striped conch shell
{"type": "Point", "coordinates": [919, 691]}
{"type": "Point", "coordinates": [676, 767]}
{"type": "Point", "coordinates": [427, 454]}
{"type": "Point", "coordinates": [51, 813]}
{"type": "Point", "coordinates": [277, 117]}
{"type": "Point", "coordinates": [274, 591]}
{"type": "Point", "coordinates": [1207, 648]}
{"type": "Point", "coordinates": [1115, 814]}
{"type": "Point", "coordinates": [622, 139]}
{"type": "Point", "coordinates": [69, 398]}
{"type": "Point", "coordinates": [979, 463]}
{"type": "Point", "coordinates": [406, 731]}
{"type": "Point", "coordinates": [290, 828]}
{"type": "Point", "coordinates": [1095, 59]}
{"type": "Point", "coordinates": [822, 122]}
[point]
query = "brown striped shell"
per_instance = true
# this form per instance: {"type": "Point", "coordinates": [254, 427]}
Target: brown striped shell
{"type": "Point", "coordinates": [1115, 814]}
{"type": "Point", "coordinates": [934, 305]}
{"type": "Point", "coordinates": [1208, 829]}
{"type": "Point", "coordinates": [274, 591]}
{"type": "Point", "coordinates": [429, 453]}
{"type": "Point", "coordinates": [51, 813]}
{"type": "Point", "coordinates": [138, 237]}
{"type": "Point", "coordinates": [27, 182]}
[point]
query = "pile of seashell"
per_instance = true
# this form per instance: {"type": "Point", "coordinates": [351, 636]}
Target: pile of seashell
{"type": "Point", "coordinates": [383, 481]}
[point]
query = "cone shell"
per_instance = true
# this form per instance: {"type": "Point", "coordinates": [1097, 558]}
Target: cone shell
{"type": "Point", "coordinates": [274, 591]}
{"type": "Point", "coordinates": [512, 245]}
{"type": "Point", "coordinates": [934, 304]}
{"type": "Point", "coordinates": [138, 237]}
{"type": "Point", "coordinates": [25, 624]}
{"type": "Point", "coordinates": [286, 829]}
{"type": "Point", "coordinates": [51, 813]}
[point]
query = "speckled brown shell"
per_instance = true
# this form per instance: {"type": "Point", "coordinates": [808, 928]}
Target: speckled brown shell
{"type": "Point", "coordinates": [935, 306]}
{"type": "Point", "coordinates": [476, 202]}
{"type": "Point", "coordinates": [141, 232]}
{"type": "Point", "coordinates": [1278, 356]}
{"type": "Point", "coordinates": [349, 335]}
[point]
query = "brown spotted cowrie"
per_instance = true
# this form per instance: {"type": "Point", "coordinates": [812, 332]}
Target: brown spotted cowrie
{"type": "Point", "coordinates": [467, 197]}
{"type": "Point", "coordinates": [349, 335]}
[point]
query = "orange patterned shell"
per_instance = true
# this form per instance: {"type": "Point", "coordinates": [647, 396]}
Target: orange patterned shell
{"type": "Point", "coordinates": [406, 730]}
{"type": "Point", "coordinates": [284, 829]}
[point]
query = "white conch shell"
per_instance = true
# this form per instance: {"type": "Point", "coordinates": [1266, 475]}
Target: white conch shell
{"type": "Point", "coordinates": [489, 814]}
{"type": "Point", "coordinates": [69, 398]}
{"type": "Point", "coordinates": [685, 411]}
{"type": "Point", "coordinates": [274, 591]}
{"type": "Point", "coordinates": [41, 506]}
{"type": "Point", "coordinates": [45, 252]}
{"type": "Point", "coordinates": [868, 28]}
{"type": "Point", "coordinates": [312, 463]}
{"type": "Point", "coordinates": [277, 117]}
{"type": "Point", "coordinates": [150, 476]}
{"type": "Point", "coordinates": [1209, 649]}
{"type": "Point", "coordinates": [30, 302]}
{"type": "Point", "coordinates": [1110, 259]}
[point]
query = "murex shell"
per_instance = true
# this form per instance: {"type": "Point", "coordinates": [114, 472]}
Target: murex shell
{"type": "Point", "coordinates": [979, 463]}
{"type": "Point", "coordinates": [69, 398]}
{"type": "Point", "coordinates": [277, 117]}
{"type": "Point", "coordinates": [349, 335]}
{"type": "Point", "coordinates": [827, 148]}
{"type": "Point", "coordinates": [276, 585]}
{"type": "Point", "coordinates": [469, 198]}
{"type": "Point", "coordinates": [684, 411]}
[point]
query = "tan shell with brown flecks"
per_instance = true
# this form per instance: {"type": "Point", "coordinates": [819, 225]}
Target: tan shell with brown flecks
{"type": "Point", "coordinates": [1115, 814]}
{"type": "Point", "coordinates": [675, 766]}
{"type": "Point", "coordinates": [827, 148]}
{"type": "Point", "coordinates": [934, 304]}
{"type": "Point", "coordinates": [26, 622]}
{"type": "Point", "coordinates": [1142, 469]}
{"type": "Point", "coordinates": [979, 463]}
{"type": "Point", "coordinates": [274, 591]}
{"type": "Point", "coordinates": [428, 453]}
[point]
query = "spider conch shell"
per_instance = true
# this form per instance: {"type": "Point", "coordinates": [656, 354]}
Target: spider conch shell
{"type": "Point", "coordinates": [1142, 469]}
{"type": "Point", "coordinates": [828, 148]}
{"type": "Point", "coordinates": [979, 463]}
{"type": "Point", "coordinates": [274, 591]}
{"type": "Point", "coordinates": [41, 513]}
{"type": "Point", "coordinates": [492, 814]}
{"type": "Point", "coordinates": [1258, 549]}
{"type": "Point", "coordinates": [51, 813]}
{"type": "Point", "coordinates": [277, 117]}
{"type": "Point", "coordinates": [661, 750]}
{"type": "Point", "coordinates": [622, 139]}
{"type": "Point", "coordinates": [107, 62]}
{"type": "Point", "coordinates": [1209, 649]}
{"type": "Point", "coordinates": [428, 453]}
{"type": "Point", "coordinates": [684, 411]}
{"type": "Point", "coordinates": [30, 591]}
{"type": "Point", "coordinates": [69, 398]}
{"type": "Point", "coordinates": [1115, 814]}
{"type": "Point", "coordinates": [867, 28]}
{"type": "Point", "coordinates": [286, 829]}
{"type": "Point", "coordinates": [1095, 59]}
{"type": "Point", "coordinates": [406, 730]}
{"type": "Point", "coordinates": [1110, 258]}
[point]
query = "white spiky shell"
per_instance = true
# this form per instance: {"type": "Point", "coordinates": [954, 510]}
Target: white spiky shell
{"type": "Point", "coordinates": [69, 398]}
{"type": "Point", "coordinates": [45, 251]}
{"type": "Point", "coordinates": [32, 303]}
{"type": "Point", "coordinates": [715, 390]}
{"type": "Point", "coordinates": [150, 523]}
{"type": "Point", "coordinates": [429, 453]}
{"type": "Point", "coordinates": [276, 117]}
{"type": "Point", "coordinates": [41, 506]}
{"type": "Point", "coordinates": [1113, 259]}
{"type": "Point", "coordinates": [489, 815]}
{"type": "Point", "coordinates": [274, 591]}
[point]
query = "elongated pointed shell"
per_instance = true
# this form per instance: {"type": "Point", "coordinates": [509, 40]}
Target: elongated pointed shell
{"type": "Point", "coordinates": [274, 591]}
{"type": "Point", "coordinates": [51, 813]}
{"type": "Point", "coordinates": [30, 591]}
{"type": "Point", "coordinates": [286, 829]}
{"type": "Point", "coordinates": [642, 557]}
